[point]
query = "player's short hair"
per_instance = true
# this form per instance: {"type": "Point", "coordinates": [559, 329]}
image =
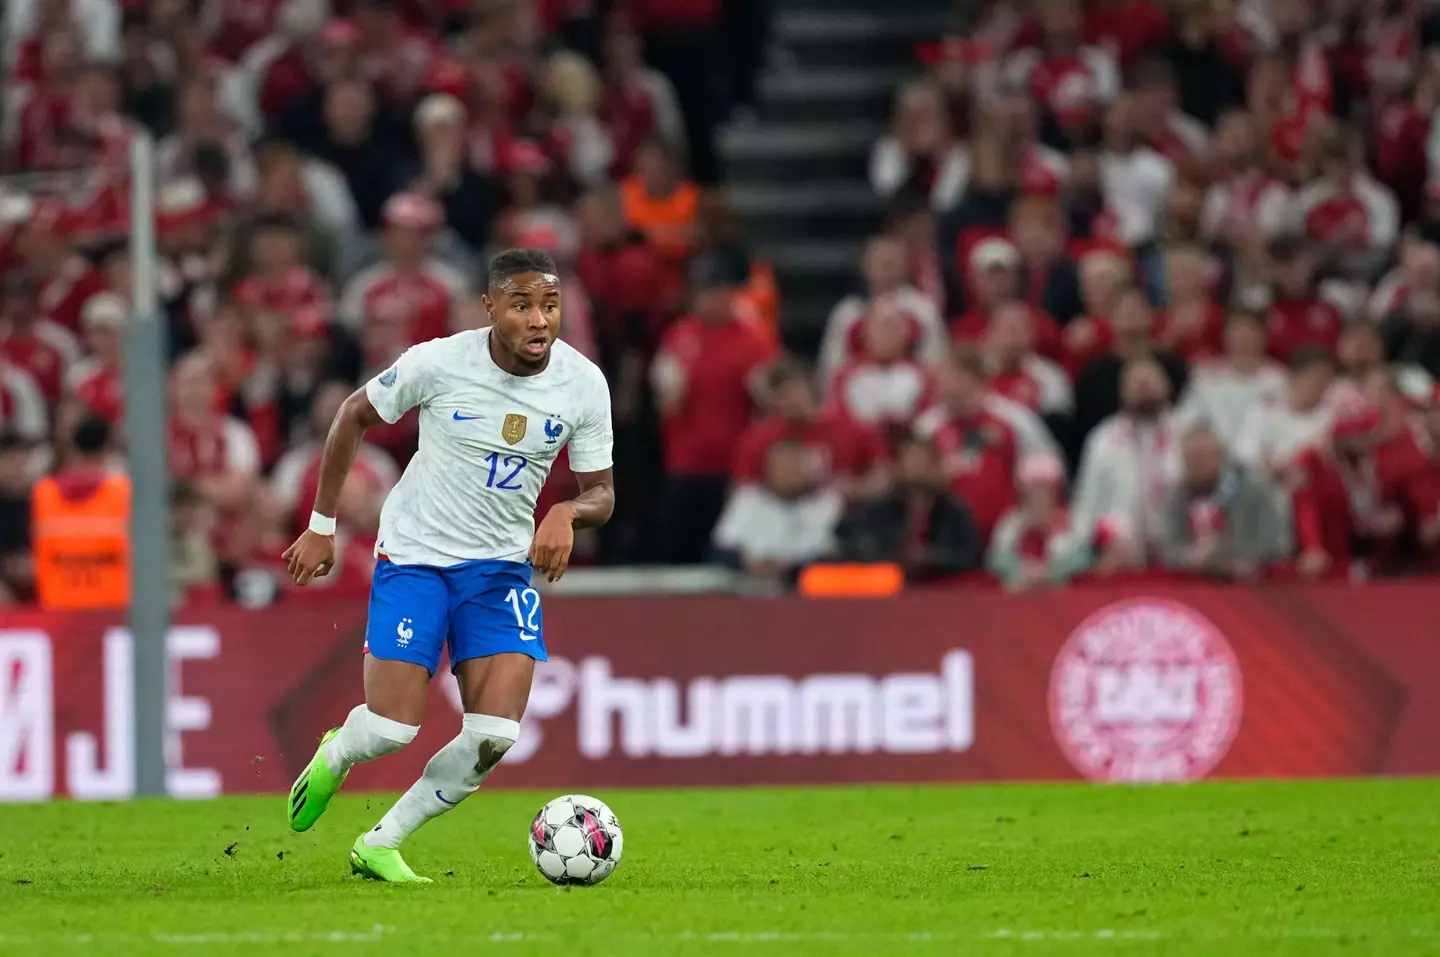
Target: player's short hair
{"type": "Point", "coordinates": [518, 262]}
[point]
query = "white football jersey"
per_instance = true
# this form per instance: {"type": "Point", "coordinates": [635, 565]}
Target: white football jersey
{"type": "Point", "coordinates": [487, 442]}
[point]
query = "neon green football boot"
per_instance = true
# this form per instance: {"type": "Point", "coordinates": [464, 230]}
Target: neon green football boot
{"type": "Point", "coordinates": [311, 793]}
{"type": "Point", "coordinates": [382, 864]}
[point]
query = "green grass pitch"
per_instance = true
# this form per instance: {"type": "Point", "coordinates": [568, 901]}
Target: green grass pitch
{"type": "Point", "coordinates": [1226, 868]}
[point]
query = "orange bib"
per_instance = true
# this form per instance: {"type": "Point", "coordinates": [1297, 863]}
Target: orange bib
{"type": "Point", "coordinates": [82, 547]}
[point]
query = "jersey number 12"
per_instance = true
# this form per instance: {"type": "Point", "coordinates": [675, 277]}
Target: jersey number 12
{"type": "Point", "coordinates": [507, 483]}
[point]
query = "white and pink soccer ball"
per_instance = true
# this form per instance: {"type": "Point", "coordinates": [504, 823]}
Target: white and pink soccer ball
{"type": "Point", "coordinates": [575, 839]}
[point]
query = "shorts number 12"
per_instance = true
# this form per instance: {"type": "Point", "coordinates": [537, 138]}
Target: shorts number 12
{"type": "Point", "coordinates": [526, 605]}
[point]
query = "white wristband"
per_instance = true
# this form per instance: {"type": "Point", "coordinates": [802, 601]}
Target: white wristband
{"type": "Point", "coordinates": [322, 524]}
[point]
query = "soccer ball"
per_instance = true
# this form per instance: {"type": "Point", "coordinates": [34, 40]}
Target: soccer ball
{"type": "Point", "coordinates": [575, 839]}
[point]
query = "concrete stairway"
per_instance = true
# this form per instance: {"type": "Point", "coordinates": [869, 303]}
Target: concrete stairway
{"type": "Point", "coordinates": [797, 176]}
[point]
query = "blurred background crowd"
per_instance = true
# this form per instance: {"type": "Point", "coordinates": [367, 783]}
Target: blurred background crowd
{"type": "Point", "coordinates": [1139, 287]}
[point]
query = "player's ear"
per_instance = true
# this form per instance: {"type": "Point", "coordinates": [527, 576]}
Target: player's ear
{"type": "Point", "coordinates": [489, 305]}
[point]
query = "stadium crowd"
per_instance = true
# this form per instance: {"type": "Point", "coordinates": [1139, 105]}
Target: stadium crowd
{"type": "Point", "coordinates": [1158, 288]}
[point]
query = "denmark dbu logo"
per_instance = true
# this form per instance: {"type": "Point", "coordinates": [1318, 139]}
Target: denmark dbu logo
{"type": "Point", "coordinates": [1145, 690]}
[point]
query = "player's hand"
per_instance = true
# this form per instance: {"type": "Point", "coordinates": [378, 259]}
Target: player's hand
{"type": "Point", "coordinates": [312, 556]}
{"type": "Point", "coordinates": [554, 541]}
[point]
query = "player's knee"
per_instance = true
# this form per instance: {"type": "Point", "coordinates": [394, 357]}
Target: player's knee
{"type": "Point", "coordinates": [491, 738]}
{"type": "Point", "coordinates": [395, 734]}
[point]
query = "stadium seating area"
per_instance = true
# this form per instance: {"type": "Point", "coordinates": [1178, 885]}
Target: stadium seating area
{"type": "Point", "coordinates": [1158, 289]}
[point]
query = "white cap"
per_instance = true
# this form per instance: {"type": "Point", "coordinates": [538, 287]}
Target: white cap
{"type": "Point", "coordinates": [184, 195]}
{"type": "Point", "coordinates": [439, 108]}
{"type": "Point", "coordinates": [994, 253]}
{"type": "Point", "coordinates": [299, 19]}
{"type": "Point", "coordinates": [15, 208]}
{"type": "Point", "coordinates": [104, 309]}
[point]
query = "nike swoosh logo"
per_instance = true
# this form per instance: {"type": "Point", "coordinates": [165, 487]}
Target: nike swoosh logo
{"type": "Point", "coordinates": [525, 637]}
{"type": "Point", "coordinates": [442, 799]}
{"type": "Point", "coordinates": [466, 418]}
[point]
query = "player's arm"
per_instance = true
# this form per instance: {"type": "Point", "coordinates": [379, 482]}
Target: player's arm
{"type": "Point", "coordinates": [590, 459]}
{"type": "Point", "coordinates": [596, 501]}
{"type": "Point", "coordinates": [342, 445]}
{"type": "Point", "coordinates": [555, 538]}
{"type": "Point", "coordinates": [313, 554]}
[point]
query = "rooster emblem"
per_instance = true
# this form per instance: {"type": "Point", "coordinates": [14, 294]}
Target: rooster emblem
{"type": "Point", "coordinates": [552, 431]}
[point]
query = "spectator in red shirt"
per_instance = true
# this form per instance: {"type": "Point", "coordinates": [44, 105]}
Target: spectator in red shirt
{"type": "Point", "coordinates": [411, 289]}
{"type": "Point", "coordinates": [979, 449]}
{"type": "Point", "coordinates": [279, 279]}
{"type": "Point", "coordinates": [297, 475]}
{"type": "Point", "coordinates": [1193, 324]}
{"type": "Point", "coordinates": [1296, 316]}
{"type": "Point", "coordinates": [1245, 205]}
{"type": "Point", "coordinates": [637, 102]}
{"type": "Point", "coordinates": [1034, 543]}
{"type": "Point", "coordinates": [884, 388]}
{"type": "Point", "coordinates": [393, 54]}
{"type": "Point", "coordinates": [994, 279]}
{"type": "Point", "coordinates": [620, 269]}
{"type": "Point", "coordinates": [1347, 499]}
{"type": "Point", "coordinates": [1351, 217]}
{"type": "Point", "coordinates": [96, 383]}
{"type": "Point", "coordinates": [1071, 80]}
{"type": "Point", "coordinates": [1019, 373]}
{"type": "Point", "coordinates": [705, 377]}
{"type": "Point", "coordinates": [48, 105]}
{"type": "Point", "coordinates": [65, 279]}
{"type": "Point", "coordinates": [30, 342]}
{"type": "Point", "coordinates": [839, 452]}
{"type": "Point", "coordinates": [1129, 28]}
{"type": "Point", "coordinates": [886, 272]}
{"type": "Point", "coordinates": [1103, 277]}
{"type": "Point", "coordinates": [218, 452]}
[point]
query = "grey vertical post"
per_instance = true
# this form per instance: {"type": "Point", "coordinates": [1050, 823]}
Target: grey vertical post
{"type": "Point", "coordinates": [145, 391]}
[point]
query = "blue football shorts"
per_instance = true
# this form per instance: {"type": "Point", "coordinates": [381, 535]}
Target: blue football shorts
{"type": "Point", "coordinates": [474, 610]}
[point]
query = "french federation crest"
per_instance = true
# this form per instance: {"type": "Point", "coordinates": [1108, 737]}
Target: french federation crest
{"type": "Point", "coordinates": [514, 428]}
{"type": "Point", "coordinates": [553, 429]}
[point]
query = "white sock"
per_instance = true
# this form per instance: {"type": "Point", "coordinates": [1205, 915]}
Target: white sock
{"type": "Point", "coordinates": [453, 774]}
{"type": "Point", "coordinates": [366, 736]}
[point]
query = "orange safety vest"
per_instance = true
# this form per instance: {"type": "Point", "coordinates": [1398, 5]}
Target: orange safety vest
{"type": "Point", "coordinates": [82, 546]}
{"type": "Point", "coordinates": [668, 221]}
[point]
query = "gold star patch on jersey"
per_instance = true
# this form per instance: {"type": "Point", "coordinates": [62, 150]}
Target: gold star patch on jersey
{"type": "Point", "coordinates": [514, 428]}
